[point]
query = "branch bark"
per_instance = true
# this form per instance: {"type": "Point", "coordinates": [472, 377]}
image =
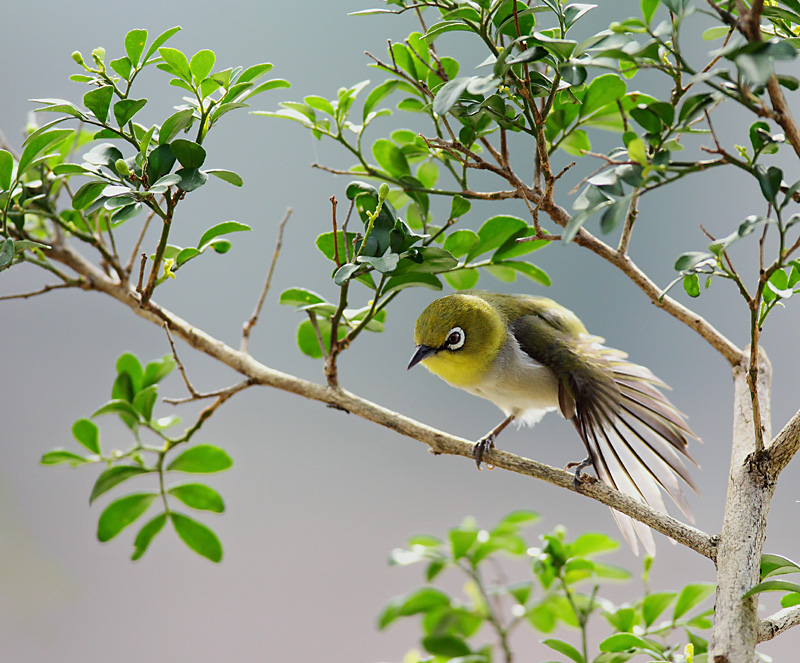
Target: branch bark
{"type": "Point", "coordinates": [750, 489]}
{"type": "Point", "coordinates": [438, 441]}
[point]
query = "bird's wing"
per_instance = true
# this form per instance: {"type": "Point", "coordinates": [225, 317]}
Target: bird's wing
{"type": "Point", "coordinates": [634, 436]}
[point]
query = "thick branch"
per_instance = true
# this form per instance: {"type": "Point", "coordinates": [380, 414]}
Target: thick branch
{"type": "Point", "coordinates": [785, 445]}
{"type": "Point", "coordinates": [438, 441]}
{"type": "Point", "coordinates": [776, 624]}
{"type": "Point", "coordinates": [750, 490]}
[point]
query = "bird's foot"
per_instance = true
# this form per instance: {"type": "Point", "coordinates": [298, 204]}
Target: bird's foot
{"type": "Point", "coordinates": [481, 447]}
{"type": "Point", "coordinates": [579, 477]}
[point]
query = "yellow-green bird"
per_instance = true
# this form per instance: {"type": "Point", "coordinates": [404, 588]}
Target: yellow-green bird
{"type": "Point", "coordinates": [529, 356]}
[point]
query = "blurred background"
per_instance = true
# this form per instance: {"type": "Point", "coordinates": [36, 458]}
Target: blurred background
{"type": "Point", "coordinates": [317, 499]}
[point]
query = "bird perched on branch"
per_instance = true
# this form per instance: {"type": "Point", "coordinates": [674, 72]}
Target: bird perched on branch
{"type": "Point", "coordinates": [529, 356]}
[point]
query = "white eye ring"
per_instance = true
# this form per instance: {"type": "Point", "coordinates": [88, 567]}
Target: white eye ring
{"type": "Point", "coordinates": [455, 338]}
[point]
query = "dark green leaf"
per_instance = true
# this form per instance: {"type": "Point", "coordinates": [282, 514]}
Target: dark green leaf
{"type": "Point", "coordinates": [689, 260]}
{"type": "Point", "coordinates": [197, 536]}
{"type": "Point", "coordinates": [191, 178]}
{"type": "Point", "coordinates": [58, 456]}
{"type": "Point", "coordinates": [86, 433]}
{"type": "Point", "coordinates": [445, 645]}
{"type": "Point", "coordinates": [198, 496]}
{"type": "Point", "coordinates": [129, 364]}
{"type": "Point", "coordinates": [125, 109]}
{"type": "Point", "coordinates": [202, 458]}
{"type": "Point", "coordinates": [428, 259]}
{"type": "Point", "coordinates": [174, 124]}
{"type": "Point", "coordinates": [6, 169]}
{"type": "Point", "coordinates": [412, 280]}
{"type": "Point", "coordinates": [147, 534]}
{"type": "Point", "coordinates": [773, 586]}
{"type": "Point", "coordinates": [118, 406]}
{"type": "Point", "coordinates": [159, 162]}
{"type": "Point", "coordinates": [98, 101]}
{"type": "Point", "coordinates": [603, 90]}
{"type": "Point", "coordinates": [188, 153]}
{"type": "Point", "coordinates": [37, 144]}
{"type": "Point", "coordinates": [770, 181]}
{"type": "Point", "coordinates": [121, 513]}
{"type": "Point", "coordinates": [114, 476]}
{"type": "Point", "coordinates": [494, 233]}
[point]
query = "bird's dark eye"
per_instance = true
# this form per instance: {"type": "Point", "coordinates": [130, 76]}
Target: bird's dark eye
{"type": "Point", "coordinates": [455, 338]}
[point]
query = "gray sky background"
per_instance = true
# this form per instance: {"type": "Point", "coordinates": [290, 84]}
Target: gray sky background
{"type": "Point", "coordinates": [316, 499]}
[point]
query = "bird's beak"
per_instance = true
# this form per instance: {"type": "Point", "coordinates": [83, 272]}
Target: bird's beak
{"type": "Point", "coordinates": [422, 353]}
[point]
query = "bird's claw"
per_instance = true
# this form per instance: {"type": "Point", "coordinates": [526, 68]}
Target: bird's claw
{"type": "Point", "coordinates": [481, 447]}
{"type": "Point", "coordinates": [579, 477]}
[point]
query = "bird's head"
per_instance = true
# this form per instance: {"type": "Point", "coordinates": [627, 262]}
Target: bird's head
{"type": "Point", "coordinates": [458, 337]}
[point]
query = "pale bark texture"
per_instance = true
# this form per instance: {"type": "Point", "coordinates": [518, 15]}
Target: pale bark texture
{"type": "Point", "coordinates": [750, 489]}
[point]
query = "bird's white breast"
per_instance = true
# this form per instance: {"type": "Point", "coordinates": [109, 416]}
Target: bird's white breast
{"type": "Point", "coordinates": [518, 385]}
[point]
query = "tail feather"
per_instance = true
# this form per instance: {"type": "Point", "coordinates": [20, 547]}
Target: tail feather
{"type": "Point", "coordinates": [635, 439]}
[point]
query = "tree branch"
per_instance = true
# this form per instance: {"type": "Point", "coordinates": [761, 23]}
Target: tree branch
{"type": "Point", "coordinates": [776, 624]}
{"type": "Point", "coordinates": [438, 441]}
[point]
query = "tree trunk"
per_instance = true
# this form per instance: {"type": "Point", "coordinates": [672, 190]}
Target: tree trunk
{"type": "Point", "coordinates": [750, 490]}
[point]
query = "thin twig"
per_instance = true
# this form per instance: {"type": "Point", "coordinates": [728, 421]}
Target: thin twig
{"type": "Point", "coordinates": [248, 326]}
{"type": "Point", "coordinates": [41, 291]}
{"type": "Point", "coordinates": [227, 392]}
{"type": "Point", "coordinates": [179, 364]}
{"type": "Point", "coordinates": [313, 317]}
{"type": "Point", "coordinates": [136, 247]}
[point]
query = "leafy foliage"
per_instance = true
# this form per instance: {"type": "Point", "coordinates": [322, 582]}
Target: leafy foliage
{"type": "Point", "coordinates": [133, 396]}
{"type": "Point", "coordinates": [565, 588]}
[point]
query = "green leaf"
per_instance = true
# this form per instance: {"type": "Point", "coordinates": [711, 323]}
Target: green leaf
{"type": "Point", "coordinates": [129, 363]}
{"type": "Point", "coordinates": [226, 175]}
{"type": "Point", "coordinates": [37, 144]}
{"type": "Point", "coordinates": [460, 242]}
{"type": "Point", "coordinates": [446, 645]}
{"type": "Point", "coordinates": [602, 91]}
{"type": "Point", "coordinates": [114, 476]}
{"type": "Point", "coordinates": [649, 9]}
{"type": "Point", "coordinates": [300, 297]}
{"type": "Point", "coordinates": [135, 41]}
{"type": "Point", "coordinates": [593, 543]}
{"type": "Point", "coordinates": [174, 124]}
{"type": "Point", "coordinates": [654, 604]}
{"type": "Point", "coordinates": [163, 37]}
{"type": "Point", "coordinates": [123, 67]}
{"type": "Point", "coordinates": [145, 400]}
{"type": "Point", "coordinates": [620, 642]}
{"type": "Point", "coordinates": [147, 534]}
{"type": "Point", "coordinates": [159, 162]}
{"type": "Point", "coordinates": [412, 280]}
{"type": "Point", "coordinates": [772, 565]}
{"type": "Point", "coordinates": [390, 158]}
{"type": "Point", "coordinates": [448, 95]}
{"type": "Point", "coordinates": [6, 169]}
{"type": "Point", "coordinates": [428, 259]}
{"type": "Point", "coordinates": [494, 233]}
{"type": "Point", "coordinates": [461, 541]}
{"type": "Point", "coordinates": [197, 536]}
{"type": "Point", "coordinates": [191, 179]}
{"type": "Point", "coordinates": [221, 229]}
{"type": "Point", "coordinates": [462, 279]}
{"type": "Point", "coordinates": [118, 406]}
{"type": "Point", "coordinates": [201, 64]}
{"type": "Point", "coordinates": [203, 458]}
{"type": "Point", "coordinates": [690, 596]}
{"type": "Point", "coordinates": [98, 101]}
{"type": "Point", "coordinates": [533, 272]}
{"type": "Point", "coordinates": [58, 456]}
{"type": "Point", "coordinates": [769, 179]}
{"type": "Point", "coordinates": [564, 648]}
{"type": "Point", "coordinates": [188, 153]}
{"type": "Point", "coordinates": [773, 586]}
{"type": "Point", "coordinates": [177, 60]}
{"type": "Point", "coordinates": [576, 142]}
{"type": "Point", "coordinates": [157, 370]}
{"type": "Point", "coordinates": [377, 95]}
{"type": "Point", "coordinates": [415, 602]}
{"type": "Point", "coordinates": [86, 433]}
{"type": "Point", "coordinates": [125, 109]}
{"type": "Point", "coordinates": [691, 285]}
{"type": "Point", "coordinates": [198, 496]}
{"type": "Point", "coordinates": [121, 513]}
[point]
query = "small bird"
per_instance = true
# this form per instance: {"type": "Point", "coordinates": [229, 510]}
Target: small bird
{"type": "Point", "coordinates": [529, 356]}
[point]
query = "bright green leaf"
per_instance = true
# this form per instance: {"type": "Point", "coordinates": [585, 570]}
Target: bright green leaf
{"type": "Point", "coordinates": [203, 458]}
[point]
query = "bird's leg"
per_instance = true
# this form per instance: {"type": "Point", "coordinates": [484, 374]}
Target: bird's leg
{"type": "Point", "coordinates": [486, 443]}
{"type": "Point", "coordinates": [578, 477]}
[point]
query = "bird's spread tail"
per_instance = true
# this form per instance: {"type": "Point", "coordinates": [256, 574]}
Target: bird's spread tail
{"type": "Point", "coordinates": [635, 438]}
